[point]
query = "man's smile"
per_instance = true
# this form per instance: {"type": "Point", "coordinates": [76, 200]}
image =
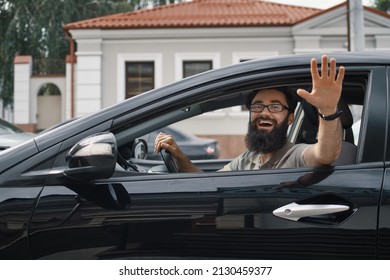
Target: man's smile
{"type": "Point", "coordinates": [265, 124]}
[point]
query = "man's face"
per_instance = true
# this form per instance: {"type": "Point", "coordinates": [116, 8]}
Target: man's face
{"type": "Point", "coordinates": [266, 120]}
{"type": "Point", "coordinates": [267, 130]}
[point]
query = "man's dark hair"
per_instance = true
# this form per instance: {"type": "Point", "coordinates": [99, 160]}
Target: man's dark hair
{"type": "Point", "coordinates": [291, 99]}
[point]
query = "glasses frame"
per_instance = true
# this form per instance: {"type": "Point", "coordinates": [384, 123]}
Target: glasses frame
{"type": "Point", "coordinates": [284, 107]}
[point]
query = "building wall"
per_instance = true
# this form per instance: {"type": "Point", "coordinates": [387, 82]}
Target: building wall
{"type": "Point", "coordinates": [22, 98]}
{"type": "Point", "coordinates": [103, 51]}
{"type": "Point", "coordinates": [26, 88]}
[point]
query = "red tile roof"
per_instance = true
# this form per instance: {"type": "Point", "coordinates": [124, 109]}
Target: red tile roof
{"type": "Point", "coordinates": [203, 13]}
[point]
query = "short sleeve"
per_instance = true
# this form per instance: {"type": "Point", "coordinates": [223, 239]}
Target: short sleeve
{"type": "Point", "coordinates": [294, 157]}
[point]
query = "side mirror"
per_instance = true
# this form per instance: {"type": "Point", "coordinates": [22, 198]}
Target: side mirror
{"type": "Point", "coordinates": [93, 157]}
{"type": "Point", "coordinates": [140, 149]}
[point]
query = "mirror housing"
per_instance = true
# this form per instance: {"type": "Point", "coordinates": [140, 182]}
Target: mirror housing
{"type": "Point", "coordinates": [94, 157]}
{"type": "Point", "coordinates": [140, 149]}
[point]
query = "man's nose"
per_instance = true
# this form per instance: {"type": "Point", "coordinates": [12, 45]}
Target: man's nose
{"type": "Point", "coordinates": [265, 114]}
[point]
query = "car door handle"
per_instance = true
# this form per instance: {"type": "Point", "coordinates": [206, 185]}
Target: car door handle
{"type": "Point", "coordinates": [294, 211]}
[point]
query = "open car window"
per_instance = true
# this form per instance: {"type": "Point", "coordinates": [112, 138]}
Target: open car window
{"type": "Point", "coordinates": [223, 119]}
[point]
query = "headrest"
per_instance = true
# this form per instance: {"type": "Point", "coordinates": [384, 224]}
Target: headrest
{"type": "Point", "coordinates": [311, 113]}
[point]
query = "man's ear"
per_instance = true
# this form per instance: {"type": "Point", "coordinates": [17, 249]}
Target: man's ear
{"type": "Point", "coordinates": [290, 118]}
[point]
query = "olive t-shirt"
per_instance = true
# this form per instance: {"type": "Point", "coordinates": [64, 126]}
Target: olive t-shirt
{"type": "Point", "coordinates": [289, 156]}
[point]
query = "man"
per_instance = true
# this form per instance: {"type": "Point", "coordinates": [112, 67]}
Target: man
{"type": "Point", "coordinates": [271, 112]}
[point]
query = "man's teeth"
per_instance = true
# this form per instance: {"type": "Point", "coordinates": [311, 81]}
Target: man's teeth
{"type": "Point", "coordinates": [265, 122]}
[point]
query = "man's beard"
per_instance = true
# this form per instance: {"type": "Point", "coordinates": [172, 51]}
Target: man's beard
{"type": "Point", "coordinates": [260, 141]}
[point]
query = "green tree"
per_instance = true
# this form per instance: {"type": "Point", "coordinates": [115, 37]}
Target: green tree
{"type": "Point", "coordinates": [383, 5]}
{"type": "Point", "coordinates": [35, 27]}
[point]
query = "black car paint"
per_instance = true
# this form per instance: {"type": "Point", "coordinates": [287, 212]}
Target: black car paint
{"type": "Point", "coordinates": [214, 223]}
{"type": "Point", "coordinates": [202, 215]}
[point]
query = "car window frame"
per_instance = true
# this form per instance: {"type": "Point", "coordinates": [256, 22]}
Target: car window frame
{"type": "Point", "coordinates": [302, 74]}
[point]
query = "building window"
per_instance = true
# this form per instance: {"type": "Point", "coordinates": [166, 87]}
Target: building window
{"type": "Point", "coordinates": [194, 67]}
{"type": "Point", "coordinates": [139, 77]}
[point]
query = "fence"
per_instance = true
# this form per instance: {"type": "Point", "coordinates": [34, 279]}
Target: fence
{"type": "Point", "coordinates": [43, 67]}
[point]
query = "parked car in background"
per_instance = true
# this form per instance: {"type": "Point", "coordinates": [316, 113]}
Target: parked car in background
{"type": "Point", "coordinates": [85, 189]}
{"type": "Point", "coordinates": [194, 147]}
{"type": "Point", "coordinates": [11, 135]}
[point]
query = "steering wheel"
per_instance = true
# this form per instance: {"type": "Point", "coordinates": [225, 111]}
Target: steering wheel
{"type": "Point", "coordinates": [169, 161]}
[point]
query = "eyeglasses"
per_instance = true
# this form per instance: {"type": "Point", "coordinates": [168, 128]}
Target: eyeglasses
{"type": "Point", "coordinates": [272, 108]}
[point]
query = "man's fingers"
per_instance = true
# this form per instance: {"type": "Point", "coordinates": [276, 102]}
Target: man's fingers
{"type": "Point", "coordinates": [173, 150]}
{"type": "Point", "coordinates": [340, 75]}
{"type": "Point", "coordinates": [164, 141]}
{"type": "Point", "coordinates": [303, 93]}
{"type": "Point", "coordinates": [324, 66]}
{"type": "Point", "coordinates": [161, 137]}
{"type": "Point", "coordinates": [327, 71]}
{"type": "Point", "coordinates": [314, 70]}
{"type": "Point", "coordinates": [332, 71]}
{"type": "Point", "coordinates": [157, 147]}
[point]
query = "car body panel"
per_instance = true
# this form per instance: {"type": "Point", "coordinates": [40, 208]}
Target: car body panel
{"type": "Point", "coordinates": [196, 218]}
{"type": "Point", "coordinates": [16, 208]}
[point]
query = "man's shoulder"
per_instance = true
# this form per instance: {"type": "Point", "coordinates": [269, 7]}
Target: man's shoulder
{"type": "Point", "coordinates": [298, 147]}
{"type": "Point", "coordinates": [294, 156]}
{"type": "Point", "coordinates": [289, 148]}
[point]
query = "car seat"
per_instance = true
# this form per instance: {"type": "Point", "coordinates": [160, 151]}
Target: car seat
{"type": "Point", "coordinates": [348, 148]}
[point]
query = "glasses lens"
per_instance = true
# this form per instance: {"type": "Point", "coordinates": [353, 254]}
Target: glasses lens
{"type": "Point", "coordinates": [256, 108]}
{"type": "Point", "coordinates": [274, 108]}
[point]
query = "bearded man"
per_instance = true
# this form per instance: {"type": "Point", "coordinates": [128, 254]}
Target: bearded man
{"type": "Point", "coordinates": [271, 112]}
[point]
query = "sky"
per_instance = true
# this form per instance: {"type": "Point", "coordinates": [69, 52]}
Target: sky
{"type": "Point", "coordinates": [320, 4]}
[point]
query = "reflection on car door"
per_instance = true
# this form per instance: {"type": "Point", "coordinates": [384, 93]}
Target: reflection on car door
{"type": "Point", "coordinates": [224, 215]}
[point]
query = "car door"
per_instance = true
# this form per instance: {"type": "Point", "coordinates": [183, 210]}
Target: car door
{"type": "Point", "coordinates": [227, 215]}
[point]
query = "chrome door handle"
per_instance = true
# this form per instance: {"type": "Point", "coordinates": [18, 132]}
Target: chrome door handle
{"type": "Point", "coordinates": [294, 211]}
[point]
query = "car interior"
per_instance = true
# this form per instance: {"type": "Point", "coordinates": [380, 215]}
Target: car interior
{"type": "Point", "coordinates": [303, 130]}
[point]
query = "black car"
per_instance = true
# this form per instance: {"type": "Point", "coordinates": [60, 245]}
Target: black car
{"type": "Point", "coordinates": [194, 147]}
{"type": "Point", "coordinates": [84, 190]}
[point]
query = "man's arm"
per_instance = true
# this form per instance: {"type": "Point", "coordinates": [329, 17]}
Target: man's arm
{"type": "Point", "coordinates": [325, 96]}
